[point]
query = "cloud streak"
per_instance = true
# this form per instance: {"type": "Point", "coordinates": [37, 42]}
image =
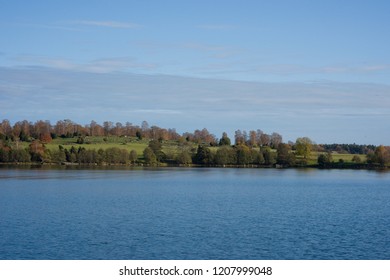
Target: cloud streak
{"type": "Point", "coordinates": [290, 69]}
{"type": "Point", "coordinates": [158, 111]}
{"type": "Point", "coordinates": [104, 65]}
{"type": "Point", "coordinates": [217, 27]}
{"type": "Point", "coordinates": [109, 24]}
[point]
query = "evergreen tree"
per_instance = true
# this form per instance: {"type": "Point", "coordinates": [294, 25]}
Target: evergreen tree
{"type": "Point", "coordinates": [225, 140]}
{"type": "Point", "coordinates": [203, 155]}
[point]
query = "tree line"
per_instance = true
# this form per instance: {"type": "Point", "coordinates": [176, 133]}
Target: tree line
{"type": "Point", "coordinates": [200, 147]}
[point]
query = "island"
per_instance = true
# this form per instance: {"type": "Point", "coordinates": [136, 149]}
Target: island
{"type": "Point", "coordinates": [69, 143]}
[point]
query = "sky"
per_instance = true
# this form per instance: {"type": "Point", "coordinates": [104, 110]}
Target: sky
{"type": "Point", "coordinates": [319, 69]}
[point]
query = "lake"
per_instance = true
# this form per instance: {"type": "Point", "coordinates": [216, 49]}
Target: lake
{"type": "Point", "coordinates": [194, 213]}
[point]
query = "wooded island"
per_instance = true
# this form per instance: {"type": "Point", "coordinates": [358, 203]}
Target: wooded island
{"type": "Point", "coordinates": [69, 143]}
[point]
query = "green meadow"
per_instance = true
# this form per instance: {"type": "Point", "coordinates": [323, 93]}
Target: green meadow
{"type": "Point", "coordinates": [170, 148]}
{"type": "Point", "coordinates": [100, 142]}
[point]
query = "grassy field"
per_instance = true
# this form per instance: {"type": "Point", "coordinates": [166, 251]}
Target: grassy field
{"type": "Point", "coordinates": [336, 157]}
{"type": "Point", "coordinates": [170, 148]}
{"type": "Point", "coordinates": [97, 143]}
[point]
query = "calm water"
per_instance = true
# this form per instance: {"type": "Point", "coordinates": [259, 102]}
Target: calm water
{"type": "Point", "coordinates": [179, 213]}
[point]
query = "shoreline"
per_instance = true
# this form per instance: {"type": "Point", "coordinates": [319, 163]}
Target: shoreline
{"type": "Point", "coordinates": [165, 165]}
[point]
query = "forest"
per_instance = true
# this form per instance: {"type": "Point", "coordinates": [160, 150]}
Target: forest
{"type": "Point", "coordinates": [69, 143]}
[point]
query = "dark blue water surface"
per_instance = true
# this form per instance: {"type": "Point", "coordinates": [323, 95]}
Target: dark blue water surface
{"type": "Point", "coordinates": [194, 213]}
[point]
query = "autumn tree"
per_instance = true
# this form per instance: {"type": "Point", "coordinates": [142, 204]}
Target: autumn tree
{"type": "Point", "coordinates": [4, 153]}
{"type": "Point", "coordinates": [37, 151]}
{"type": "Point", "coordinates": [239, 137]}
{"type": "Point", "coordinates": [5, 128]}
{"type": "Point", "coordinates": [24, 128]}
{"type": "Point", "coordinates": [118, 129]}
{"type": "Point", "coordinates": [380, 156]}
{"type": "Point", "coordinates": [264, 140]}
{"type": "Point", "coordinates": [95, 129]}
{"type": "Point", "coordinates": [276, 139]}
{"type": "Point", "coordinates": [107, 126]}
{"type": "Point", "coordinates": [66, 128]}
{"type": "Point", "coordinates": [252, 141]}
{"type": "Point", "coordinates": [204, 137]}
{"type": "Point", "coordinates": [45, 137]}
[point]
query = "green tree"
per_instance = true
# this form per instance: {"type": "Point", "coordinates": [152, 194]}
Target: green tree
{"type": "Point", "coordinates": [184, 157]}
{"type": "Point", "coordinates": [116, 155]}
{"type": "Point", "coordinates": [257, 157]}
{"type": "Point", "coordinates": [244, 155]}
{"type": "Point", "coordinates": [133, 156]}
{"type": "Point", "coordinates": [324, 160]}
{"type": "Point", "coordinates": [269, 156]}
{"type": "Point", "coordinates": [303, 147]}
{"type": "Point", "coordinates": [58, 155]}
{"type": "Point", "coordinates": [284, 155]}
{"type": "Point", "coordinates": [156, 147]}
{"type": "Point", "coordinates": [225, 155]}
{"type": "Point", "coordinates": [100, 156]}
{"type": "Point", "coordinates": [149, 156]}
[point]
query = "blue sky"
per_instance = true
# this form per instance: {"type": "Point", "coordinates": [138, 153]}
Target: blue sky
{"type": "Point", "coordinates": [300, 68]}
